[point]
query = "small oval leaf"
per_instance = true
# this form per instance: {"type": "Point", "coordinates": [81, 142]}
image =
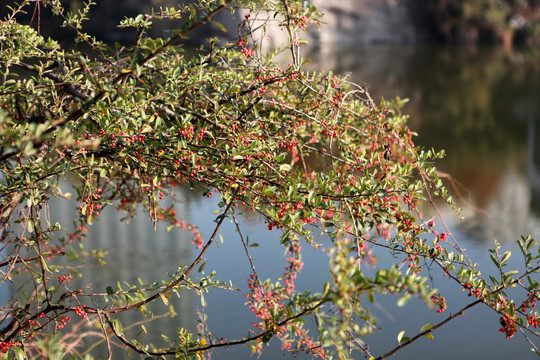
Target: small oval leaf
{"type": "Point", "coordinates": [400, 336]}
{"type": "Point", "coordinates": [427, 327]}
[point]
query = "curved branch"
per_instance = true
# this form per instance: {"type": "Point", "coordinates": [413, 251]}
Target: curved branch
{"type": "Point", "coordinates": [212, 346]}
{"type": "Point", "coordinates": [419, 335]}
{"type": "Point", "coordinates": [174, 283]}
{"type": "Point", "coordinates": [460, 312]}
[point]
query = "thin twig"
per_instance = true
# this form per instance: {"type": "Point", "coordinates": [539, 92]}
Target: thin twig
{"type": "Point", "coordinates": [419, 335]}
{"type": "Point", "coordinates": [245, 247]}
{"type": "Point", "coordinates": [102, 322]}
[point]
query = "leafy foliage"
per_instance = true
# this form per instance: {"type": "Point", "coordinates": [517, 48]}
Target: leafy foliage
{"type": "Point", "coordinates": [305, 151]}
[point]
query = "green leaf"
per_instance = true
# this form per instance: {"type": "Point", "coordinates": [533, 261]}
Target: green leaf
{"type": "Point", "coordinates": [19, 353]}
{"type": "Point", "coordinates": [285, 167]}
{"type": "Point", "coordinates": [429, 336]}
{"type": "Point", "coordinates": [505, 257]}
{"type": "Point", "coordinates": [494, 259]}
{"type": "Point", "coordinates": [110, 291]}
{"type": "Point", "coordinates": [117, 325]}
{"type": "Point", "coordinates": [221, 27]}
{"type": "Point", "coordinates": [400, 336]}
{"type": "Point", "coordinates": [403, 300]}
{"type": "Point", "coordinates": [326, 288]}
{"type": "Point", "coordinates": [311, 195]}
{"type": "Point", "coordinates": [193, 11]}
{"type": "Point", "coordinates": [267, 337]}
{"type": "Point", "coordinates": [164, 299]}
{"type": "Point", "coordinates": [30, 226]}
{"type": "Point", "coordinates": [201, 268]}
{"type": "Point", "coordinates": [427, 327]}
{"type": "Point", "coordinates": [281, 157]}
{"type": "Point", "coordinates": [269, 191]}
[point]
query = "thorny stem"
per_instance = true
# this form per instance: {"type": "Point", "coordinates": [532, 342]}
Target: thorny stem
{"type": "Point", "coordinates": [245, 246]}
{"type": "Point", "coordinates": [419, 335]}
{"type": "Point", "coordinates": [41, 259]}
{"type": "Point", "coordinates": [102, 323]}
{"type": "Point", "coordinates": [453, 316]}
{"type": "Point", "coordinates": [217, 345]}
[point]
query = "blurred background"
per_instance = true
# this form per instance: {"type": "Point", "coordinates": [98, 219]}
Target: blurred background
{"type": "Point", "coordinates": [504, 22]}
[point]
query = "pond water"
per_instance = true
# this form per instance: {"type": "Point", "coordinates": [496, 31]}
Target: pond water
{"type": "Point", "coordinates": [480, 104]}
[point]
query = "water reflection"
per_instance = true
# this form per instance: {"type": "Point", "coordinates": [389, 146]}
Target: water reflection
{"type": "Point", "coordinates": [135, 250]}
{"type": "Point", "coordinates": [482, 106]}
{"type": "Point", "coordinates": [479, 104]}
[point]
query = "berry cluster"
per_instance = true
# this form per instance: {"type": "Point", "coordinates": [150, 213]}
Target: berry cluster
{"type": "Point", "coordinates": [66, 278]}
{"type": "Point", "coordinates": [440, 301]}
{"type": "Point", "coordinates": [64, 321]}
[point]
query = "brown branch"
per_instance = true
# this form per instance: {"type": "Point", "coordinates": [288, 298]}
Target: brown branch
{"type": "Point", "coordinates": [102, 323]}
{"type": "Point", "coordinates": [68, 86]}
{"type": "Point", "coordinates": [217, 345]}
{"type": "Point", "coordinates": [419, 335]}
{"type": "Point", "coordinates": [17, 259]}
{"type": "Point", "coordinates": [16, 327]}
{"type": "Point", "coordinates": [42, 263]}
{"type": "Point", "coordinates": [174, 283]}
{"type": "Point", "coordinates": [460, 312]}
{"type": "Point", "coordinates": [245, 247]}
{"type": "Point", "coordinates": [262, 334]}
{"type": "Point", "coordinates": [7, 210]}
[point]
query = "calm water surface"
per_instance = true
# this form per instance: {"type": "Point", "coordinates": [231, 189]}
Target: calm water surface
{"type": "Point", "coordinates": [481, 105]}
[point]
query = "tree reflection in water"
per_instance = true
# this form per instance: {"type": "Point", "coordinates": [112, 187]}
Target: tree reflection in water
{"type": "Point", "coordinates": [480, 104]}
